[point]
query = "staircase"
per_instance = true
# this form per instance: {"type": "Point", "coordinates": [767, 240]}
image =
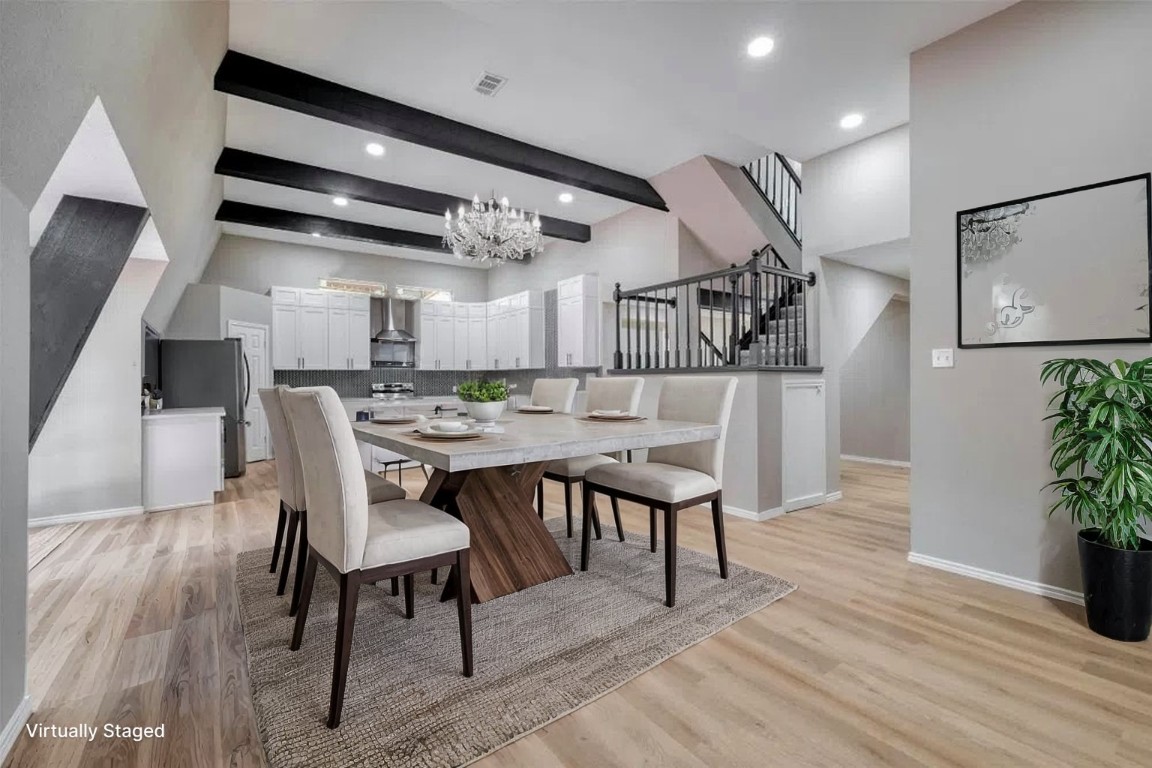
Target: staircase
{"type": "Point", "coordinates": [776, 180]}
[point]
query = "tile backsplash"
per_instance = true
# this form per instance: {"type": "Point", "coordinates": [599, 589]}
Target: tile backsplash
{"type": "Point", "coordinates": [437, 383]}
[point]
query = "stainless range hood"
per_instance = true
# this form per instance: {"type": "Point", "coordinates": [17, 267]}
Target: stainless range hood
{"type": "Point", "coordinates": [388, 330]}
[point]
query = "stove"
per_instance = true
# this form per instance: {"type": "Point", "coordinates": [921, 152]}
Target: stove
{"type": "Point", "coordinates": [393, 390]}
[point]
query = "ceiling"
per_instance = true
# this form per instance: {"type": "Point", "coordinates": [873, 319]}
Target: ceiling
{"type": "Point", "coordinates": [638, 87]}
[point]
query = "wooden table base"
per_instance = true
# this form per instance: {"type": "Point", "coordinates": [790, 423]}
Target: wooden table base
{"type": "Point", "coordinates": [511, 548]}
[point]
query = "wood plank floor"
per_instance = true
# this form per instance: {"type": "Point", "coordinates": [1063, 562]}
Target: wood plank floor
{"type": "Point", "coordinates": [872, 661]}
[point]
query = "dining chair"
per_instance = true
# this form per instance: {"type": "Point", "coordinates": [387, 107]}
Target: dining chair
{"type": "Point", "coordinates": [557, 394]}
{"type": "Point", "coordinates": [293, 504]}
{"type": "Point", "coordinates": [359, 542]}
{"type": "Point", "coordinates": [609, 394]}
{"type": "Point", "coordinates": [675, 477]}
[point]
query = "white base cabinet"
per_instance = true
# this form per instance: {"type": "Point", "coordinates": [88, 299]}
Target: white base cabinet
{"type": "Point", "coordinates": [183, 457]}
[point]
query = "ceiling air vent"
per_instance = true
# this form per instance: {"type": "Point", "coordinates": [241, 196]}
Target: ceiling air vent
{"type": "Point", "coordinates": [488, 83]}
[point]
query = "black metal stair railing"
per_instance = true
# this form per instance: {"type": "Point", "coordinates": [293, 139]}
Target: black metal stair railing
{"type": "Point", "coordinates": [745, 316]}
{"type": "Point", "coordinates": [779, 185]}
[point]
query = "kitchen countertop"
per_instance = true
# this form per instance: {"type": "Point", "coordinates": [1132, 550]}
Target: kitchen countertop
{"type": "Point", "coordinates": [185, 413]}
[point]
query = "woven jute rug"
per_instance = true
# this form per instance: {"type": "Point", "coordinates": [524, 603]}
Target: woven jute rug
{"type": "Point", "coordinates": [539, 654]}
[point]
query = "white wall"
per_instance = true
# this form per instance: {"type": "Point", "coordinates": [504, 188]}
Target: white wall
{"type": "Point", "coordinates": [858, 195]}
{"type": "Point", "coordinates": [875, 390]}
{"type": "Point", "coordinates": [850, 300]}
{"type": "Point", "coordinates": [1038, 98]}
{"type": "Point", "coordinates": [255, 265]}
{"type": "Point", "coordinates": [151, 65]}
{"type": "Point", "coordinates": [87, 457]}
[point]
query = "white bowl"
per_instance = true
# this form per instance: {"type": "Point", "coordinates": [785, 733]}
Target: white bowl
{"type": "Point", "coordinates": [450, 426]}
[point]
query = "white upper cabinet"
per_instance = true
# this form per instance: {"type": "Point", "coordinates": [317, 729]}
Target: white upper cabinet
{"type": "Point", "coordinates": [578, 321]}
{"type": "Point", "coordinates": [316, 329]}
{"type": "Point", "coordinates": [515, 330]}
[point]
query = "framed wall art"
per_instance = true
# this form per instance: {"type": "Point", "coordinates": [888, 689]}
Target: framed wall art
{"type": "Point", "coordinates": [1067, 267]}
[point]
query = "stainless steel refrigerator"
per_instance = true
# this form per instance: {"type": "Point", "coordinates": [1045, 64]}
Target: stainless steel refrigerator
{"type": "Point", "coordinates": [199, 374]}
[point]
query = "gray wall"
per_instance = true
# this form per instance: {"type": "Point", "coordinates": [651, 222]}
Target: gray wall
{"type": "Point", "coordinates": [152, 65]}
{"type": "Point", "coordinates": [205, 309]}
{"type": "Point", "coordinates": [1068, 102]}
{"type": "Point", "coordinates": [255, 265]}
{"type": "Point", "coordinates": [14, 335]}
{"type": "Point", "coordinates": [875, 390]}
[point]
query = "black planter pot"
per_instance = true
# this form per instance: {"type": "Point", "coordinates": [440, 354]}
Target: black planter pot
{"type": "Point", "coordinates": [1117, 587]}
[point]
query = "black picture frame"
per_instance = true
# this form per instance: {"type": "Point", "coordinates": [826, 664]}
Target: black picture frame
{"type": "Point", "coordinates": [1146, 177]}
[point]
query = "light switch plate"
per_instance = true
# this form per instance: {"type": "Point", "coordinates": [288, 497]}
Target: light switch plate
{"type": "Point", "coordinates": [942, 358]}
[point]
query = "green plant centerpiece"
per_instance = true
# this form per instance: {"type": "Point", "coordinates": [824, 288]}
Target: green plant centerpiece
{"type": "Point", "coordinates": [1101, 427]}
{"type": "Point", "coordinates": [484, 400]}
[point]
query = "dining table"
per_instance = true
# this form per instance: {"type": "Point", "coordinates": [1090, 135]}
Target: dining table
{"type": "Point", "coordinates": [488, 483]}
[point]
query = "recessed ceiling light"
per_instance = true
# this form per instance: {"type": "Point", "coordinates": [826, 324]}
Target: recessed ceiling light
{"type": "Point", "coordinates": [340, 201]}
{"type": "Point", "coordinates": [315, 234]}
{"type": "Point", "coordinates": [374, 149]}
{"type": "Point", "coordinates": [761, 47]}
{"type": "Point", "coordinates": [851, 120]}
{"type": "Point", "coordinates": [565, 197]}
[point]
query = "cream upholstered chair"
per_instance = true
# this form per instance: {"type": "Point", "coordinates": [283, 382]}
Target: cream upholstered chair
{"type": "Point", "coordinates": [609, 394]}
{"type": "Point", "coordinates": [675, 477]}
{"type": "Point", "coordinates": [359, 542]}
{"type": "Point", "coordinates": [293, 507]}
{"type": "Point", "coordinates": [557, 394]}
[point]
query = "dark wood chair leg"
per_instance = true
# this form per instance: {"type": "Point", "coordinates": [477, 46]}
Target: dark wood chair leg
{"type": "Point", "coordinates": [540, 499]}
{"type": "Point", "coordinates": [586, 527]}
{"type": "Point", "coordinates": [293, 520]}
{"type": "Point", "coordinates": [669, 558]}
{"type": "Point", "coordinates": [409, 596]}
{"type": "Point", "coordinates": [424, 469]}
{"type": "Point", "coordinates": [652, 526]}
{"type": "Point", "coordinates": [718, 527]}
{"type": "Point", "coordinates": [568, 504]}
{"type": "Point", "coordinates": [395, 586]}
{"type": "Point", "coordinates": [616, 517]}
{"type": "Point", "coordinates": [435, 575]}
{"type": "Point", "coordinates": [305, 600]}
{"type": "Point", "coordinates": [281, 519]}
{"type": "Point", "coordinates": [464, 609]}
{"type": "Point", "coordinates": [301, 559]}
{"type": "Point", "coordinates": [345, 624]}
{"type": "Point", "coordinates": [596, 522]}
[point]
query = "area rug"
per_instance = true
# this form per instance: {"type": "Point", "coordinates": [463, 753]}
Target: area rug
{"type": "Point", "coordinates": [539, 654]}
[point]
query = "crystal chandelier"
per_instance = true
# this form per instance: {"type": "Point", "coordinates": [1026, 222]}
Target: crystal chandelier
{"type": "Point", "coordinates": [492, 230]}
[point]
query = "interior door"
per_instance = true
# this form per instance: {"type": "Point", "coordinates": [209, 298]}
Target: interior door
{"type": "Point", "coordinates": [257, 375]}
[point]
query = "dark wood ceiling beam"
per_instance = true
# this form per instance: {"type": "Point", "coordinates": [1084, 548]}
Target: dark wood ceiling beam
{"type": "Point", "coordinates": [259, 80]}
{"type": "Point", "coordinates": [252, 166]}
{"type": "Point", "coordinates": [305, 223]}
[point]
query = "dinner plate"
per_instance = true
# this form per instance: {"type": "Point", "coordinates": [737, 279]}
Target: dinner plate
{"type": "Point", "coordinates": [436, 434]}
{"type": "Point", "coordinates": [620, 417]}
{"type": "Point", "coordinates": [534, 409]}
{"type": "Point", "coordinates": [394, 419]}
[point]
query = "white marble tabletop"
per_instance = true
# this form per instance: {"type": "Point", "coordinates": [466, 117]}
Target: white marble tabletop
{"type": "Point", "coordinates": [531, 438]}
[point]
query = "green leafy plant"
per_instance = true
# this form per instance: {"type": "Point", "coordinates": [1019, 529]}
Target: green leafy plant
{"type": "Point", "coordinates": [482, 391]}
{"type": "Point", "coordinates": [1100, 448]}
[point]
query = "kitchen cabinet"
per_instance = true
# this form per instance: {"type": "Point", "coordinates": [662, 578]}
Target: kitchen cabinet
{"type": "Point", "coordinates": [516, 331]}
{"type": "Point", "coordinates": [578, 321]}
{"type": "Point", "coordinates": [435, 335]}
{"type": "Point", "coordinates": [315, 329]}
{"type": "Point", "coordinates": [182, 457]}
{"type": "Point", "coordinates": [477, 340]}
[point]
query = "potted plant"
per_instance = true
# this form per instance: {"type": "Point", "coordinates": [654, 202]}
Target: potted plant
{"type": "Point", "coordinates": [484, 400]}
{"type": "Point", "coordinates": [1103, 461]}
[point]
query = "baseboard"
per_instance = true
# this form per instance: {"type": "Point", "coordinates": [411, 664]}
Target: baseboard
{"type": "Point", "coordinates": [13, 727]}
{"type": "Point", "coordinates": [834, 496]}
{"type": "Point", "coordinates": [804, 502]}
{"type": "Point", "coordinates": [84, 517]}
{"type": "Point", "coordinates": [748, 514]}
{"type": "Point", "coordinates": [185, 505]}
{"type": "Point", "coordinates": [1002, 579]}
{"type": "Point", "coordinates": [870, 460]}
